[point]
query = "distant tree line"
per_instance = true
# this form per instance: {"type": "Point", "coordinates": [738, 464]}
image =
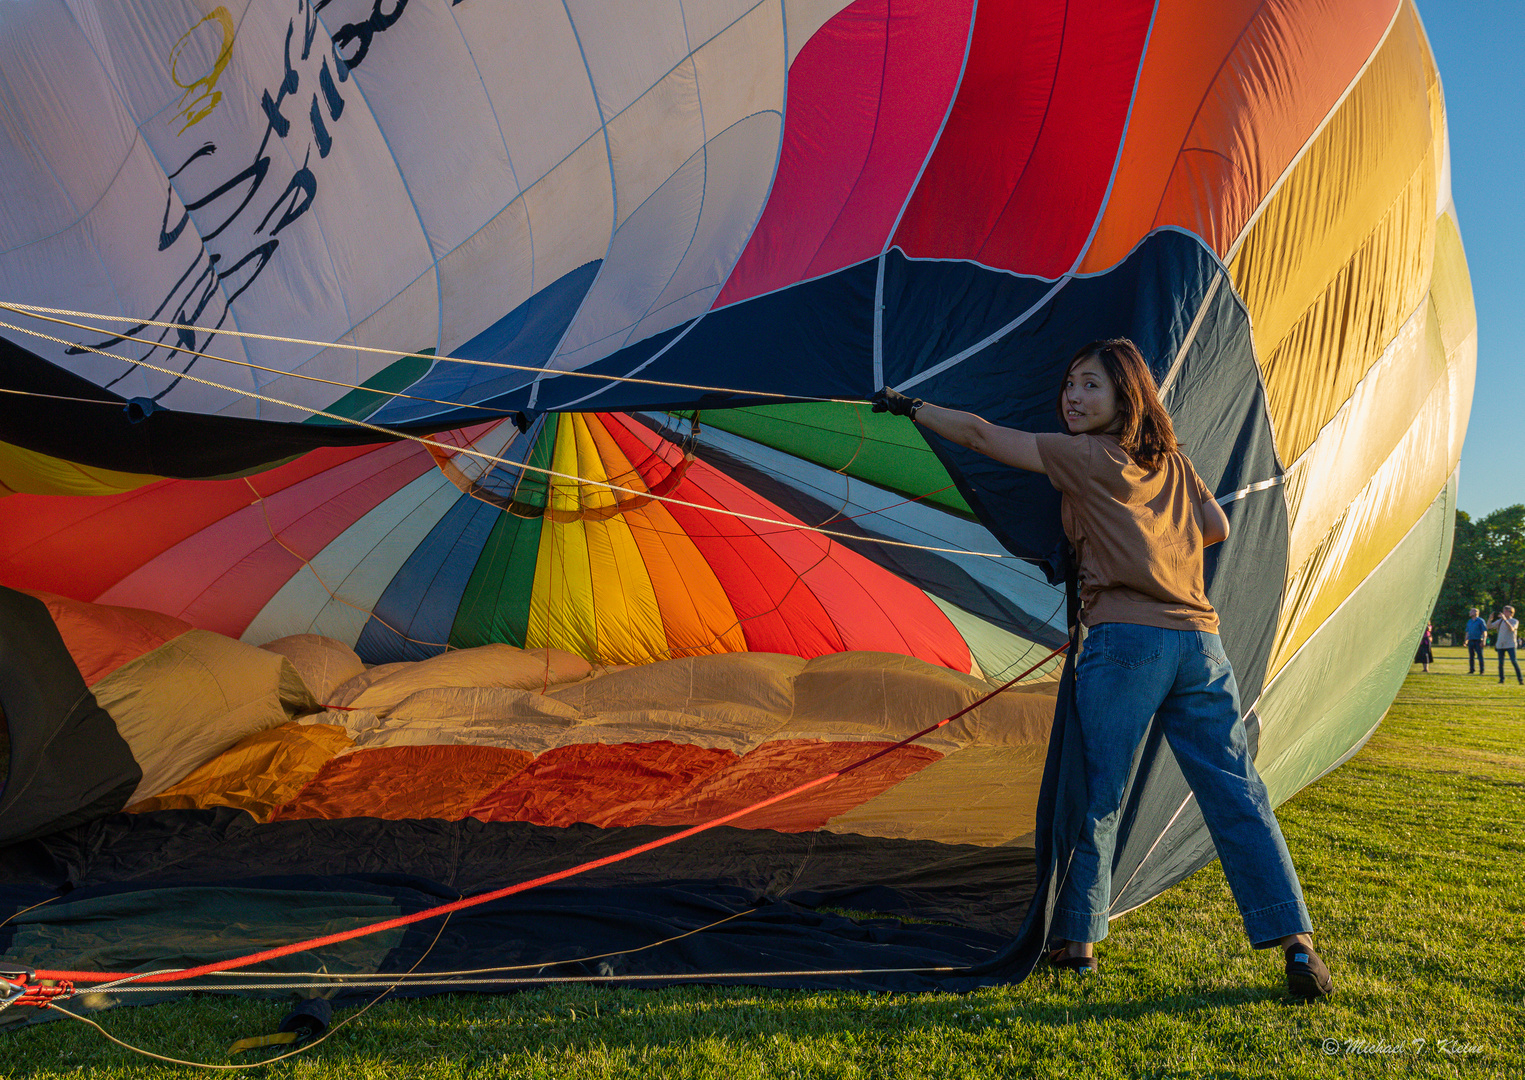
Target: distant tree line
{"type": "Point", "coordinates": [1487, 569]}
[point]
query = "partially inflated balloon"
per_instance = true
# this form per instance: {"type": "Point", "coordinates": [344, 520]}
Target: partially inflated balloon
{"type": "Point", "coordinates": [306, 263]}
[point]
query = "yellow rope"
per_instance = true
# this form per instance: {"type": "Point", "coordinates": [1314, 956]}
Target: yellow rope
{"type": "Point", "coordinates": [393, 434]}
{"type": "Point", "coordinates": [279, 1057]}
{"type": "Point", "coordinates": [404, 978]}
{"type": "Point", "coordinates": [38, 312]}
{"type": "Point", "coordinates": [244, 363]}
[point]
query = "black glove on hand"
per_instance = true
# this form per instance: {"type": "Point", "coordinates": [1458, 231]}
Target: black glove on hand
{"type": "Point", "coordinates": [893, 401]}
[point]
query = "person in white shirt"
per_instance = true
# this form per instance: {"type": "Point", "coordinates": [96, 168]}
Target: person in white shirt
{"type": "Point", "coordinates": [1505, 639]}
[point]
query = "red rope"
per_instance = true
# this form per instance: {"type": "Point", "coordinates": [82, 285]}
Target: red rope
{"type": "Point", "coordinates": [524, 886]}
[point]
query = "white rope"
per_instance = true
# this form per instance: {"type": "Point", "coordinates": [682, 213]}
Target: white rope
{"type": "Point", "coordinates": [36, 311]}
{"type": "Point", "coordinates": [506, 462]}
{"type": "Point", "coordinates": [424, 979]}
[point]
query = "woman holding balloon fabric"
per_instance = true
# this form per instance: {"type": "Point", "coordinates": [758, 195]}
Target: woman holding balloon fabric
{"type": "Point", "coordinates": [1139, 519]}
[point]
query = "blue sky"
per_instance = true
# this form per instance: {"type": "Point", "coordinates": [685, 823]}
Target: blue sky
{"type": "Point", "coordinates": [1478, 45]}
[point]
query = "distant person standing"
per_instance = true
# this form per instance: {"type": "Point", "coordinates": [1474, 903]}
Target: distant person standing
{"type": "Point", "coordinates": [1505, 626]}
{"type": "Point", "coordinates": [1426, 655]}
{"type": "Point", "coordinates": [1477, 637]}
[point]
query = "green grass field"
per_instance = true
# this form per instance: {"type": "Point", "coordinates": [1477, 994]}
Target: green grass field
{"type": "Point", "coordinates": [1412, 856]}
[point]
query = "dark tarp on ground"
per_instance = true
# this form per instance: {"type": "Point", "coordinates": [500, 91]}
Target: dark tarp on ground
{"type": "Point", "coordinates": [166, 863]}
{"type": "Point", "coordinates": [66, 761]}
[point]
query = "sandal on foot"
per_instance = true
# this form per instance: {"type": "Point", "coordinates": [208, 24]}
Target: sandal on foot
{"type": "Point", "coordinates": [1080, 965]}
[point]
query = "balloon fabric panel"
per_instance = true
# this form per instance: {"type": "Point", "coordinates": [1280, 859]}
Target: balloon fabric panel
{"type": "Point", "coordinates": [923, 55]}
{"type": "Point", "coordinates": [415, 614]}
{"type": "Point", "coordinates": [800, 593]}
{"type": "Point", "coordinates": [644, 583]}
{"type": "Point", "coordinates": [1451, 289]}
{"type": "Point", "coordinates": [48, 707]}
{"type": "Point", "coordinates": [851, 440]}
{"type": "Point", "coordinates": [1188, 47]}
{"type": "Point", "coordinates": [1324, 481]}
{"type": "Point", "coordinates": [379, 390]}
{"type": "Point", "coordinates": [257, 775]}
{"type": "Point", "coordinates": [1026, 158]}
{"type": "Point", "coordinates": [988, 600]}
{"type": "Point", "coordinates": [609, 786]}
{"type": "Point", "coordinates": [495, 605]}
{"type": "Point", "coordinates": [1349, 670]}
{"type": "Point", "coordinates": [404, 782]}
{"type": "Point", "coordinates": [780, 764]}
{"type": "Point", "coordinates": [23, 470]}
{"type": "Point", "coordinates": [691, 160]}
{"type": "Point", "coordinates": [1216, 120]}
{"type": "Point", "coordinates": [1371, 176]}
{"type": "Point", "coordinates": [697, 615]}
{"type": "Point", "coordinates": [53, 543]}
{"type": "Point", "coordinates": [102, 639]}
{"type": "Point", "coordinates": [1438, 133]}
{"type": "Point", "coordinates": [642, 587]}
{"type": "Point", "coordinates": [561, 606]}
{"type": "Point", "coordinates": [527, 335]}
{"type": "Point", "coordinates": [221, 578]}
{"type": "Point", "coordinates": [355, 586]}
{"type": "Point", "coordinates": [593, 595]}
{"type": "Point", "coordinates": [1399, 493]}
{"type": "Point", "coordinates": [867, 95]}
{"type": "Point", "coordinates": [496, 602]}
{"type": "Point", "coordinates": [70, 417]}
{"type": "Point", "coordinates": [984, 148]}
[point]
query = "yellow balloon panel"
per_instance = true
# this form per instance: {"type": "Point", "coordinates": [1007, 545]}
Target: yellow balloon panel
{"type": "Point", "coordinates": [34, 473]}
{"type": "Point", "coordinates": [620, 581]}
{"type": "Point", "coordinates": [1451, 288]}
{"type": "Point", "coordinates": [1373, 525]}
{"type": "Point", "coordinates": [1339, 258]}
{"type": "Point", "coordinates": [1370, 424]}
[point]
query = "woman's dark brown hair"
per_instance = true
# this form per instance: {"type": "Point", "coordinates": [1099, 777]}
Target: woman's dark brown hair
{"type": "Point", "coordinates": [1146, 432]}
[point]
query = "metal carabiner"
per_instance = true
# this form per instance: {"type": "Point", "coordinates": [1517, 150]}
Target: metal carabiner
{"type": "Point", "coordinates": [14, 984]}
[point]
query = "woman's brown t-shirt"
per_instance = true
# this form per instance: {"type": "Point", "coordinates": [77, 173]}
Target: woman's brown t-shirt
{"type": "Point", "coordinates": [1137, 533]}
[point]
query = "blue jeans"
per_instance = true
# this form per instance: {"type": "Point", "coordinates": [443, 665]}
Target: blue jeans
{"type": "Point", "coordinates": [1475, 650]}
{"type": "Point", "coordinates": [1126, 675]}
{"type": "Point", "coordinates": [1512, 660]}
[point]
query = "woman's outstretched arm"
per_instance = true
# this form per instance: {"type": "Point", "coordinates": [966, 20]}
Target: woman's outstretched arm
{"type": "Point", "coordinates": [1006, 445]}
